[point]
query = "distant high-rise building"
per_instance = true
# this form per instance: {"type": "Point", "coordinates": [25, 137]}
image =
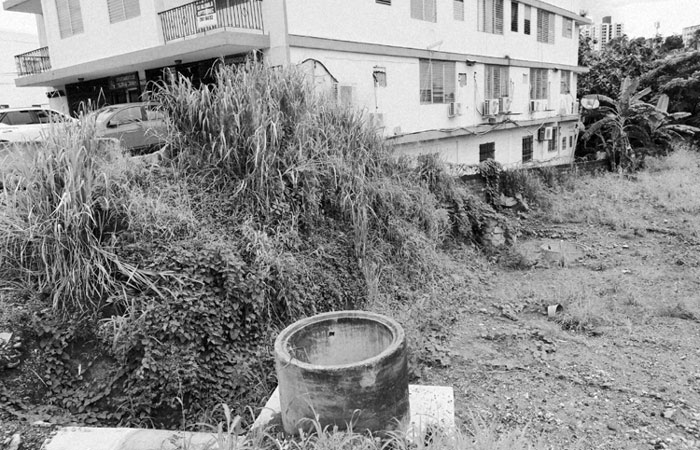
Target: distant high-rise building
{"type": "Point", "coordinates": [602, 33]}
{"type": "Point", "coordinates": [689, 33]}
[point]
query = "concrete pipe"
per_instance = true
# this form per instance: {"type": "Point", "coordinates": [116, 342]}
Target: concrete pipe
{"type": "Point", "coordinates": [346, 369]}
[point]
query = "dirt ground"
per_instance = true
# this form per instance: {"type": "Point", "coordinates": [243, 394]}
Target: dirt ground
{"type": "Point", "coordinates": [618, 368]}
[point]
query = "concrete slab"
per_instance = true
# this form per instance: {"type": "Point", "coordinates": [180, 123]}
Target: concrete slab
{"type": "Point", "coordinates": [86, 438]}
{"type": "Point", "coordinates": [430, 406]}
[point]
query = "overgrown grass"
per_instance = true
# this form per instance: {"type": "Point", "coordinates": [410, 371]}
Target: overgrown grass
{"type": "Point", "coordinates": [651, 194]}
{"type": "Point", "coordinates": [60, 210]}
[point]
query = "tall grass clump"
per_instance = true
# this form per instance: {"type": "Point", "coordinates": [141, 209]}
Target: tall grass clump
{"type": "Point", "coordinates": [57, 218]}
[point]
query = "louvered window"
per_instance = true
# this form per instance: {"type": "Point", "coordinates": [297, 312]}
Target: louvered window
{"type": "Point", "coordinates": [437, 81]}
{"type": "Point", "coordinates": [424, 10]}
{"type": "Point", "coordinates": [568, 28]}
{"type": "Point", "coordinates": [514, 16]}
{"type": "Point", "coordinates": [490, 16]}
{"type": "Point", "coordinates": [554, 141]}
{"type": "Point", "coordinates": [545, 27]}
{"type": "Point", "coordinates": [459, 9]}
{"type": "Point", "coordinates": [528, 19]}
{"type": "Point", "coordinates": [123, 9]}
{"type": "Point", "coordinates": [70, 20]}
{"type": "Point", "coordinates": [565, 81]}
{"type": "Point", "coordinates": [539, 88]}
{"type": "Point", "coordinates": [527, 148]}
{"type": "Point", "coordinates": [487, 151]}
{"type": "Point", "coordinates": [496, 82]}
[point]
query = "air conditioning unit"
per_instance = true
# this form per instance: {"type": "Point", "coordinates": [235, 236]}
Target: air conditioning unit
{"type": "Point", "coordinates": [538, 105]}
{"type": "Point", "coordinates": [548, 133]}
{"type": "Point", "coordinates": [376, 120]}
{"type": "Point", "coordinates": [454, 109]}
{"type": "Point", "coordinates": [504, 104]}
{"type": "Point", "coordinates": [491, 107]}
{"type": "Point", "coordinates": [545, 134]}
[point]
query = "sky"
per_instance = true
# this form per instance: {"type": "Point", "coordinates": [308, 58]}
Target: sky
{"type": "Point", "coordinates": [639, 16]}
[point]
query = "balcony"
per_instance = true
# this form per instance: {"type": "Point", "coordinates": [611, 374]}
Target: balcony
{"type": "Point", "coordinates": [34, 62]}
{"type": "Point", "coordinates": [206, 15]}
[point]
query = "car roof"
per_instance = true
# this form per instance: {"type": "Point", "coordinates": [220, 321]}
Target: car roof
{"type": "Point", "coordinates": [26, 108]}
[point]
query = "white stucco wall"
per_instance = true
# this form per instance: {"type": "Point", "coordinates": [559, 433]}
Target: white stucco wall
{"type": "Point", "coordinates": [465, 149]}
{"type": "Point", "coordinates": [400, 102]}
{"type": "Point", "coordinates": [100, 38]}
{"type": "Point", "coordinates": [370, 22]}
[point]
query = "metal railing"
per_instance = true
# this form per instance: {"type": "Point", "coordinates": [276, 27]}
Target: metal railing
{"type": "Point", "coordinates": [33, 62]}
{"type": "Point", "coordinates": [193, 18]}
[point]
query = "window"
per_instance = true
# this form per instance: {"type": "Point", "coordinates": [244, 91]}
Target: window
{"type": "Point", "coordinates": [487, 151]}
{"type": "Point", "coordinates": [563, 143]}
{"type": "Point", "coordinates": [437, 81]}
{"type": "Point", "coordinates": [459, 9]}
{"type": "Point", "coordinates": [514, 16]}
{"type": "Point", "coordinates": [379, 76]}
{"type": "Point", "coordinates": [565, 81]}
{"type": "Point", "coordinates": [568, 28]}
{"type": "Point", "coordinates": [539, 84]}
{"type": "Point", "coordinates": [128, 115]}
{"type": "Point", "coordinates": [527, 148]}
{"type": "Point", "coordinates": [490, 16]}
{"type": "Point", "coordinates": [424, 10]}
{"type": "Point", "coordinates": [120, 10]}
{"type": "Point", "coordinates": [384, 2]}
{"type": "Point", "coordinates": [528, 19]}
{"type": "Point", "coordinates": [497, 81]}
{"type": "Point", "coordinates": [571, 141]}
{"type": "Point", "coordinates": [545, 27]}
{"type": "Point", "coordinates": [19, 118]}
{"type": "Point", "coordinates": [553, 142]}
{"type": "Point", "coordinates": [70, 21]}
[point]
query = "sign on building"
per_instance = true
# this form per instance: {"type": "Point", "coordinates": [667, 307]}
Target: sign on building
{"type": "Point", "coordinates": [206, 15]}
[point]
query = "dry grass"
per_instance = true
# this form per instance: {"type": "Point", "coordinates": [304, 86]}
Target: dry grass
{"type": "Point", "coordinates": [668, 187]}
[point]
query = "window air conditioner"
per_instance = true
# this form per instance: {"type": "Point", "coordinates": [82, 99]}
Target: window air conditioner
{"type": "Point", "coordinates": [548, 133]}
{"type": "Point", "coordinates": [454, 109]}
{"type": "Point", "coordinates": [504, 104]}
{"type": "Point", "coordinates": [538, 105]}
{"type": "Point", "coordinates": [491, 107]}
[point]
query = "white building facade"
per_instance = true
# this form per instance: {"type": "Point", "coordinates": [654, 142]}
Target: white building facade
{"type": "Point", "coordinates": [469, 79]}
{"type": "Point", "coordinates": [689, 34]}
{"type": "Point", "coordinates": [601, 34]}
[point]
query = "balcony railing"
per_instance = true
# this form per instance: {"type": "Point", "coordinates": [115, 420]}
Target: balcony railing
{"type": "Point", "coordinates": [33, 62]}
{"type": "Point", "coordinates": [205, 15]}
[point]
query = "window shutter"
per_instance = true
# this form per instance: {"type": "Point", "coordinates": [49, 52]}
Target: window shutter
{"type": "Point", "coordinates": [514, 16]}
{"type": "Point", "coordinates": [425, 82]}
{"type": "Point", "coordinates": [122, 10]}
{"type": "Point", "coordinates": [528, 19]}
{"type": "Point", "coordinates": [430, 10]}
{"type": "Point", "coordinates": [498, 16]}
{"type": "Point", "coordinates": [459, 9]}
{"type": "Point", "coordinates": [550, 25]}
{"type": "Point", "coordinates": [417, 9]}
{"type": "Point", "coordinates": [70, 20]}
{"type": "Point", "coordinates": [450, 82]}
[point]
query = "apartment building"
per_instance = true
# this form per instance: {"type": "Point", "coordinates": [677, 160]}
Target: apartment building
{"type": "Point", "coordinates": [469, 79]}
{"type": "Point", "coordinates": [689, 35]}
{"type": "Point", "coordinates": [601, 34]}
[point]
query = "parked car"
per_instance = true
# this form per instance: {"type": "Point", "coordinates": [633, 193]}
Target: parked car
{"type": "Point", "coordinates": [139, 127]}
{"type": "Point", "coordinates": [21, 125]}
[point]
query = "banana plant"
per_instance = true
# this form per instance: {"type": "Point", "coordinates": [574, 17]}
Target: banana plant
{"type": "Point", "coordinates": [630, 127]}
